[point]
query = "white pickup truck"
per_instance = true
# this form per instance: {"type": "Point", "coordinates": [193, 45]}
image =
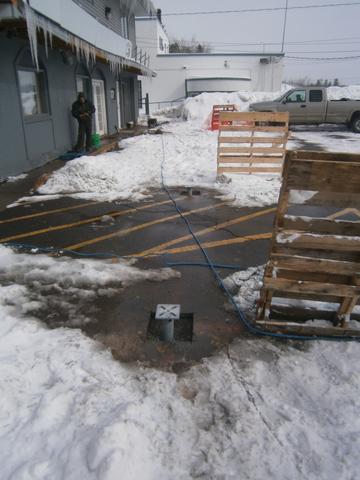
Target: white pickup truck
{"type": "Point", "coordinates": [310, 105]}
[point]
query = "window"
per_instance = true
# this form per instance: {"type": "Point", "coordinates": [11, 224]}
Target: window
{"type": "Point", "coordinates": [316, 96]}
{"type": "Point", "coordinates": [83, 85]}
{"type": "Point", "coordinates": [140, 97]}
{"type": "Point", "coordinates": [298, 96]}
{"type": "Point", "coordinates": [124, 27]}
{"type": "Point", "coordinates": [161, 44]}
{"type": "Point", "coordinates": [33, 92]}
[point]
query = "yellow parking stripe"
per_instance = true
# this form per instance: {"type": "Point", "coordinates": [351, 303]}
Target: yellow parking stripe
{"type": "Point", "coordinates": [80, 222]}
{"type": "Point", "coordinates": [49, 212]}
{"type": "Point", "coordinates": [220, 243]}
{"type": "Point", "coordinates": [126, 231]}
{"type": "Point", "coordinates": [214, 228]}
{"type": "Point", "coordinates": [335, 215]}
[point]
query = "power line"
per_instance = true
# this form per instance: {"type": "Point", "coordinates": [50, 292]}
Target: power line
{"type": "Point", "coordinates": [354, 57]}
{"type": "Point", "coordinates": [269, 9]}
{"type": "Point", "coordinates": [342, 40]}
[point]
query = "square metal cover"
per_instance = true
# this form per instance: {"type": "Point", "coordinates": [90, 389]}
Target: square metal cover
{"type": "Point", "coordinates": [167, 312]}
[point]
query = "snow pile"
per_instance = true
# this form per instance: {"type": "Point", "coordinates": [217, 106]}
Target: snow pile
{"type": "Point", "coordinates": [245, 286]}
{"type": "Point", "coordinates": [198, 109]}
{"type": "Point", "coordinates": [13, 179]}
{"type": "Point", "coordinates": [261, 410]}
{"type": "Point", "coordinates": [190, 160]}
{"type": "Point", "coordinates": [337, 93]}
{"type": "Point", "coordinates": [63, 290]}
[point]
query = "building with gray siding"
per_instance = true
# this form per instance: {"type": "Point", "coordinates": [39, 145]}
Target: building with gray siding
{"type": "Point", "coordinates": [49, 52]}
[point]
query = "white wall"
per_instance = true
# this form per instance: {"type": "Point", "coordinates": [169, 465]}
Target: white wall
{"type": "Point", "coordinates": [149, 31]}
{"type": "Point", "coordinates": [174, 69]}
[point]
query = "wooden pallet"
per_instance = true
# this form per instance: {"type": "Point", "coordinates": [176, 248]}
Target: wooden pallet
{"type": "Point", "coordinates": [314, 267]}
{"type": "Point", "coordinates": [252, 142]}
{"type": "Point", "coordinates": [215, 117]}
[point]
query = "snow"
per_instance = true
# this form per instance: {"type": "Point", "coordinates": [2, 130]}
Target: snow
{"type": "Point", "coordinates": [262, 409]}
{"type": "Point", "coordinates": [62, 287]}
{"type": "Point", "coordinates": [198, 110]}
{"type": "Point", "coordinates": [337, 93]}
{"type": "Point", "coordinates": [13, 179]}
{"type": "Point", "coordinates": [188, 159]}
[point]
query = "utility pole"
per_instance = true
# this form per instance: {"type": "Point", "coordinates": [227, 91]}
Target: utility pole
{"type": "Point", "coordinates": [284, 29]}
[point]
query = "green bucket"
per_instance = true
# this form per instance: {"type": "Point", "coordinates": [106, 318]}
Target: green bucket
{"type": "Point", "coordinates": [95, 139]}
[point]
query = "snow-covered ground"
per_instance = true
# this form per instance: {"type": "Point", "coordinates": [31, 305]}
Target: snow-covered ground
{"type": "Point", "coordinates": [262, 409]}
{"type": "Point", "coordinates": [188, 157]}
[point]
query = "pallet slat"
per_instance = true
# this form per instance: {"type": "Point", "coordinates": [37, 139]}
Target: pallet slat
{"type": "Point", "coordinates": [309, 264]}
{"type": "Point", "coordinates": [321, 225]}
{"type": "Point", "coordinates": [249, 170]}
{"type": "Point", "coordinates": [255, 116]}
{"type": "Point", "coordinates": [231, 159]}
{"type": "Point", "coordinates": [318, 241]}
{"type": "Point", "coordinates": [251, 150]}
{"type": "Point", "coordinates": [271, 140]}
{"type": "Point", "coordinates": [298, 286]}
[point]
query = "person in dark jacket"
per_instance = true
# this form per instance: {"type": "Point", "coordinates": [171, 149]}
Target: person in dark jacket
{"type": "Point", "coordinates": [83, 110]}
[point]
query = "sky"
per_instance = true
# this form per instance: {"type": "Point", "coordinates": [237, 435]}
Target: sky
{"type": "Point", "coordinates": [336, 31]}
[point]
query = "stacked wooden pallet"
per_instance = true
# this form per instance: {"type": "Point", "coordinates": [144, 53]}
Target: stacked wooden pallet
{"type": "Point", "coordinates": [312, 280]}
{"type": "Point", "coordinates": [215, 117]}
{"type": "Point", "coordinates": [252, 142]}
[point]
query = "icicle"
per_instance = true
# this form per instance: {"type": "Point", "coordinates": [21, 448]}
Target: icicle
{"type": "Point", "coordinates": [31, 25]}
{"type": "Point", "coordinates": [83, 50]}
{"type": "Point", "coordinates": [35, 22]}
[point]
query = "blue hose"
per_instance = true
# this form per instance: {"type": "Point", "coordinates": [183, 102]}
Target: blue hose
{"type": "Point", "coordinates": [208, 264]}
{"type": "Point", "coordinates": [251, 328]}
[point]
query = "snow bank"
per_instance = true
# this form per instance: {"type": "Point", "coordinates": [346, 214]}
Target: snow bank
{"type": "Point", "coordinates": [198, 109]}
{"type": "Point", "coordinates": [262, 410]}
{"type": "Point", "coordinates": [62, 289]}
{"type": "Point", "coordinates": [336, 93]}
{"type": "Point", "coordinates": [190, 159]}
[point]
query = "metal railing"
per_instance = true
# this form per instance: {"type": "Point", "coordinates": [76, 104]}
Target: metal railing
{"type": "Point", "coordinates": [169, 103]}
{"type": "Point", "coordinates": [140, 56]}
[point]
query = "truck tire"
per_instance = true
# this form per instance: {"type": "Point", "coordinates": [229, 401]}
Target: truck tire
{"type": "Point", "coordinates": [355, 123]}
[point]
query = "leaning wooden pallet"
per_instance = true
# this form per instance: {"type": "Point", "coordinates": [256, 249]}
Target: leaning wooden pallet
{"type": "Point", "coordinates": [252, 142]}
{"type": "Point", "coordinates": [312, 280]}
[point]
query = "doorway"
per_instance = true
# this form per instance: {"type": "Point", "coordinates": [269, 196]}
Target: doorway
{"type": "Point", "coordinates": [118, 104]}
{"type": "Point", "coordinates": [127, 98]}
{"type": "Point", "coordinates": [100, 106]}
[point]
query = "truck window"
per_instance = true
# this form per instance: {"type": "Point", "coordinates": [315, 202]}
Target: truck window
{"type": "Point", "coordinates": [298, 96]}
{"type": "Point", "coordinates": [316, 96]}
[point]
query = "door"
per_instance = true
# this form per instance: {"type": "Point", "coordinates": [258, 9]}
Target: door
{"type": "Point", "coordinates": [118, 103]}
{"type": "Point", "coordinates": [295, 104]}
{"type": "Point", "coordinates": [100, 106]}
{"type": "Point", "coordinates": [316, 106]}
{"type": "Point", "coordinates": [127, 97]}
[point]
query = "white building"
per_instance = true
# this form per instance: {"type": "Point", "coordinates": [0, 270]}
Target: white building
{"type": "Point", "coordinates": [181, 75]}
